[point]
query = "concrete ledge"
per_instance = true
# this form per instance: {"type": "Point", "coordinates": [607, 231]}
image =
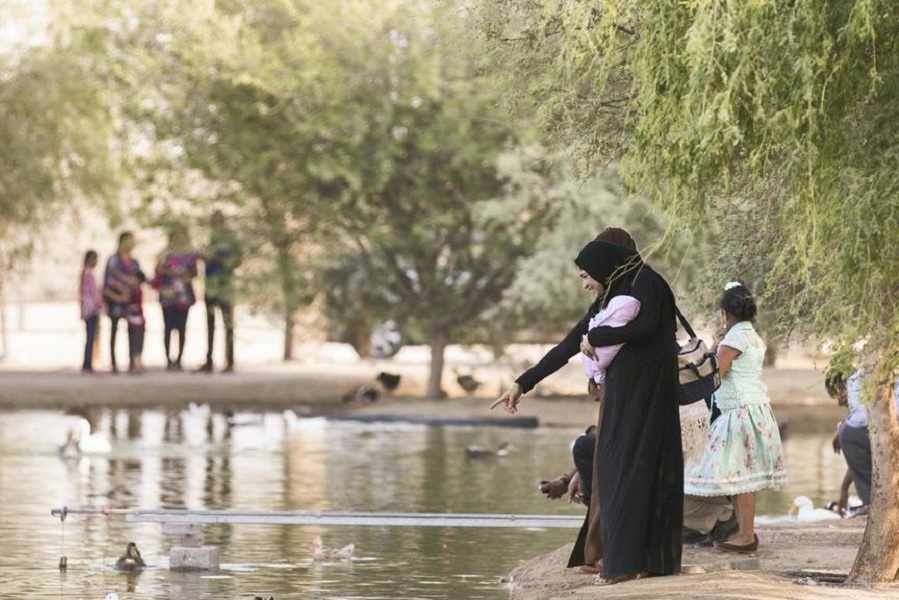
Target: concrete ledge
{"type": "Point", "coordinates": [204, 558]}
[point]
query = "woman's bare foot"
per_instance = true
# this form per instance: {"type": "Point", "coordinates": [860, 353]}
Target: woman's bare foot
{"type": "Point", "coordinates": [593, 569]}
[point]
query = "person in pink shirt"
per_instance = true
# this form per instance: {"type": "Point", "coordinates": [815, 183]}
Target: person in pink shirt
{"type": "Point", "coordinates": [91, 307]}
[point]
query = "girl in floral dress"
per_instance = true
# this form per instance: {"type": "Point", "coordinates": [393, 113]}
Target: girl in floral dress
{"type": "Point", "coordinates": [743, 450]}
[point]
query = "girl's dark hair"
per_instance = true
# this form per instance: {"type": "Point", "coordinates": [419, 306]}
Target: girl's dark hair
{"type": "Point", "coordinates": [89, 255]}
{"type": "Point", "coordinates": [738, 302]}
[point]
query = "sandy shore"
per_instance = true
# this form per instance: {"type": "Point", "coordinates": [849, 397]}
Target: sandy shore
{"type": "Point", "coordinates": [790, 563]}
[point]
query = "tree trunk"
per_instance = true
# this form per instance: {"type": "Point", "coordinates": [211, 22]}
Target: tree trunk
{"type": "Point", "coordinates": [771, 354]}
{"type": "Point", "coordinates": [4, 348]}
{"type": "Point", "coordinates": [878, 557]}
{"type": "Point", "coordinates": [289, 323]}
{"type": "Point", "coordinates": [289, 291]}
{"type": "Point", "coordinates": [438, 345]}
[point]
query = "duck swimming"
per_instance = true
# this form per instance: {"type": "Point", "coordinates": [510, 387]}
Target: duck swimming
{"type": "Point", "coordinates": [131, 560]}
{"type": "Point", "coordinates": [322, 554]}
{"type": "Point", "coordinates": [475, 451]}
{"type": "Point", "coordinates": [805, 511]}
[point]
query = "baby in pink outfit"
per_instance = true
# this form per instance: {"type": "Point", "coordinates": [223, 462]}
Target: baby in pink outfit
{"type": "Point", "coordinates": [621, 310]}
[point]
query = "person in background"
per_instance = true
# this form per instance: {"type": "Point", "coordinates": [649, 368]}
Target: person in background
{"type": "Point", "coordinates": [119, 283]}
{"type": "Point", "coordinates": [221, 258]}
{"type": "Point", "coordinates": [852, 438]}
{"type": "Point", "coordinates": [743, 453]}
{"type": "Point", "coordinates": [176, 268]}
{"type": "Point", "coordinates": [136, 325]}
{"type": "Point", "coordinates": [131, 299]}
{"type": "Point", "coordinates": [91, 307]}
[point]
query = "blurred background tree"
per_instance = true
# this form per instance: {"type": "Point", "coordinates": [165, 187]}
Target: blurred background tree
{"type": "Point", "coordinates": [362, 150]}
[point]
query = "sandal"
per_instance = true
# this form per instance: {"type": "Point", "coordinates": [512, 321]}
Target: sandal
{"type": "Point", "coordinates": [739, 549]}
{"type": "Point", "coordinates": [600, 580]}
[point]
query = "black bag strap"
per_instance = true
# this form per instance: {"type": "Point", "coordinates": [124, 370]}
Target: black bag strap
{"type": "Point", "coordinates": [683, 321]}
{"type": "Point", "coordinates": [680, 316]}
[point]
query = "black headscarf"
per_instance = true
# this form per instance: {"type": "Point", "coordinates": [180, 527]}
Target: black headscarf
{"type": "Point", "coordinates": [609, 264]}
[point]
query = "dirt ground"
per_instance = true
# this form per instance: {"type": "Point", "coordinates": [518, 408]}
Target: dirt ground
{"type": "Point", "coordinates": [794, 561]}
{"type": "Point", "coordinates": [787, 549]}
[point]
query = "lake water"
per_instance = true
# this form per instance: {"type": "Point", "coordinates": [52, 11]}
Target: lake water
{"type": "Point", "coordinates": [196, 461]}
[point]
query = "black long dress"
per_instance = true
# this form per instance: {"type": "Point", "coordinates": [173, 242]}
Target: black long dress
{"type": "Point", "coordinates": [646, 368]}
{"type": "Point", "coordinates": [639, 462]}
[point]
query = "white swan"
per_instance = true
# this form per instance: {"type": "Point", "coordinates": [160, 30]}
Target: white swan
{"type": "Point", "coordinates": [805, 511]}
{"type": "Point", "coordinates": [294, 421]}
{"type": "Point", "coordinates": [199, 411]}
{"type": "Point", "coordinates": [91, 443]}
{"type": "Point", "coordinates": [322, 554]}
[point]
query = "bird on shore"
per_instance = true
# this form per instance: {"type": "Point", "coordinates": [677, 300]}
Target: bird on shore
{"type": "Point", "coordinates": [852, 506]}
{"type": "Point", "coordinates": [131, 560]}
{"type": "Point", "coordinates": [322, 554]}
{"type": "Point", "coordinates": [475, 451]}
{"type": "Point", "coordinates": [389, 381]}
{"type": "Point", "coordinates": [805, 511]}
{"type": "Point", "coordinates": [364, 394]}
{"type": "Point", "coordinates": [467, 382]}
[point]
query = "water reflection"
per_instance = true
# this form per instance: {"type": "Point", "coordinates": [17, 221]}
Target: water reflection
{"type": "Point", "coordinates": [198, 459]}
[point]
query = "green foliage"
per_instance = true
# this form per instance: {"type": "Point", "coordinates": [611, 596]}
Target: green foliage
{"type": "Point", "coordinates": [56, 136]}
{"type": "Point", "coordinates": [547, 297]}
{"type": "Point", "coordinates": [772, 120]}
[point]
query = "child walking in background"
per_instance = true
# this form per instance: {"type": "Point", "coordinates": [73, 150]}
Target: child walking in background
{"type": "Point", "coordinates": [136, 325]}
{"type": "Point", "coordinates": [91, 306]}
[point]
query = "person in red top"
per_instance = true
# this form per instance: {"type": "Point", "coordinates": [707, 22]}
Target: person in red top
{"type": "Point", "coordinates": [175, 271]}
{"type": "Point", "coordinates": [91, 307]}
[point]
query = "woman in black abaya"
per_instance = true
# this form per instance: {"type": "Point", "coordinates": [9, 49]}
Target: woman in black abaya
{"type": "Point", "coordinates": [638, 467]}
